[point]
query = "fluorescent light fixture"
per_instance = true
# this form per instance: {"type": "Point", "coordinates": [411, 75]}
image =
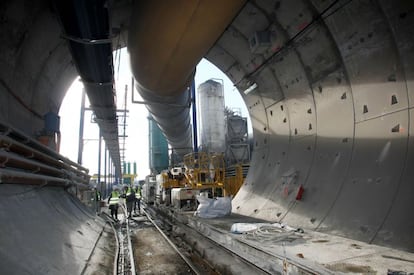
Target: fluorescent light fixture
{"type": "Point", "coordinates": [250, 89]}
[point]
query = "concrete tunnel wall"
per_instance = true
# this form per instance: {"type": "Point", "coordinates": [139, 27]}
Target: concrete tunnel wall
{"type": "Point", "coordinates": [332, 113]}
{"type": "Point", "coordinates": [310, 124]}
{"type": "Point", "coordinates": [45, 230]}
{"type": "Point", "coordinates": [330, 96]}
{"type": "Point", "coordinates": [36, 67]}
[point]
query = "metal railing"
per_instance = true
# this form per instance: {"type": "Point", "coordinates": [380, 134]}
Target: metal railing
{"type": "Point", "coordinates": [24, 160]}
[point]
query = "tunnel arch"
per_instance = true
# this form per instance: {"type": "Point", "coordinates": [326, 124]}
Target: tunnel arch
{"type": "Point", "coordinates": [325, 122]}
{"type": "Point", "coordinates": [332, 111]}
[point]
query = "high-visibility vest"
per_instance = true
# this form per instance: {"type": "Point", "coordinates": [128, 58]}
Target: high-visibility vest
{"type": "Point", "coordinates": [114, 198]}
{"type": "Point", "coordinates": [138, 193]}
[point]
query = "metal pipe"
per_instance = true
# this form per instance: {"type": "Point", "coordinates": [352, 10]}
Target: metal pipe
{"type": "Point", "coordinates": [105, 172]}
{"type": "Point", "coordinates": [81, 126]}
{"type": "Point", "coordinates": [8, 159]}
{"type": "Point", "coordinates": [17, 147]}
{"type": "Point", "coordinates": [13, 176]}
{"type": "Point", "coordinates": [37, 163]}
{"type": "Point", "coordinates": [163, 64]}
{"type": "Point", "coordinates": [194, 109]}
{"type": "Point", "coordinates": [99, 156]}
{"type": "Point", "coordinates": [15, 139]}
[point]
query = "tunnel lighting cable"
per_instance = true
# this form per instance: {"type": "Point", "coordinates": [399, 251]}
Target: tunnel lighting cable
{"type": "Point", "coordinates": [291, 40]}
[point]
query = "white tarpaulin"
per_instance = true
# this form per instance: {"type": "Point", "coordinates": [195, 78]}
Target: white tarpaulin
{"type": "Point", "coordinates": [213, 208]}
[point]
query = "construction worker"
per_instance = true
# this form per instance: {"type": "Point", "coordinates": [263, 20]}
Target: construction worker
{"type": "Point", "coordinates": [97, 200]}
{"type": "Point", "coordinates": [138, 196]}
{"type": "Point", "coordinates": [113, 201]}
{"type": "Point", "coordinates": [130, 201]}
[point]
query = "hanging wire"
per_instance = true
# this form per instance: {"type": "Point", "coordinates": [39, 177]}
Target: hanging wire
{"type": "Point", "coordinates": [290, 43]}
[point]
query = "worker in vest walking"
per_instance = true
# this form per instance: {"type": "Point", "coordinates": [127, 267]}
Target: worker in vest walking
{"type": "Point", "coordinates": [130, 200]}
{"type": "Point", "coordinates": [138, 196]}
{"type": "Point", "coordinates": [113, 201]}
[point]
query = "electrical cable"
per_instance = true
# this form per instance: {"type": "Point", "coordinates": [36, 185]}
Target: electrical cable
{"type": "Point", "coordinates": [289, 43]}
{"type": "Point", "coordinates": [273, 233]}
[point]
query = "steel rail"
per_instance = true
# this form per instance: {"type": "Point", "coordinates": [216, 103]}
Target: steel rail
{"type": "Point", "coordinates": [131, 251]}
{"type": "Point", "coordinates": [188, 262]}
{"type": "Point", "coordinates": [124, 263]}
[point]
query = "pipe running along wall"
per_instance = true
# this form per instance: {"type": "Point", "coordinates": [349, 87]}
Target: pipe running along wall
{"type": "Point", "coordinates": [166, 41]}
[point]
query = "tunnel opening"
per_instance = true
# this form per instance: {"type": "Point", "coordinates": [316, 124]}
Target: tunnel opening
{"type": "Point", "coordinates": [330, 97]}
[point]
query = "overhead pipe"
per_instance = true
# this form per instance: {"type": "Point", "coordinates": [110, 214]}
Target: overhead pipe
{"type": "Point", "coordinates": [86, 28]}
{"type": "Point", "coordinates": [166, 41]}
{"type": "Point", "coordinates": [194, 115]}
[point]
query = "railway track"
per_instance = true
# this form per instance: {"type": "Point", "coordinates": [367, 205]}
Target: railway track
{"type": "Point", "coordinates": [138, 240]}
{"type": "Point", "coordinates": [126, 263]}
{"type": "Point", "coordinates": [205, 255]}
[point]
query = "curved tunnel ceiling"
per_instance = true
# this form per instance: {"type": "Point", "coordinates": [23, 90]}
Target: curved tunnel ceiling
{"type": "Point", "coordinates": [330, 98]}
{"type": "Point", "coordinates": [328, 85]}
{"type": "Point", "coordinates": [332, 114]}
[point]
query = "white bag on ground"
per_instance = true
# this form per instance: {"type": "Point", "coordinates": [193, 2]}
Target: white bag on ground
{"type": "Point", "coordinates": [213, 208]}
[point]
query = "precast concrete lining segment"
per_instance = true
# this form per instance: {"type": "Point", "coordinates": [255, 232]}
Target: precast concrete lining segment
{"type": "Point", "coordinates": [36, 66]}
{"type": "Point", "coordinates": [342, 124]}
{"type": "Point", "coordinates": [332, 111]}
{"type": "Point", "coordinates": [44, 231]}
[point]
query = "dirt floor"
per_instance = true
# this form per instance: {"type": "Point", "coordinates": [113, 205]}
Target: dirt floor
{"type": "Point", "coordinates": [153, 255]}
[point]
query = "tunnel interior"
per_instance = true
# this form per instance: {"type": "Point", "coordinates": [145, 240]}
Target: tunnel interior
{"type": "Point", "coordinates": [328, 86]}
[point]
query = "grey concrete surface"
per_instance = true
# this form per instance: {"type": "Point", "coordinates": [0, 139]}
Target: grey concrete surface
{"type": "Point", "coordinates": [45, 230]}
{"type": "Point", "coordinates": [332, 111]}
{"type": "Point", "coordinates": [308, 252]}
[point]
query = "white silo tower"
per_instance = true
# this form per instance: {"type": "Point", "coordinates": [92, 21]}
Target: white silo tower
{"type": "Point", "coordinates": [212, 131]}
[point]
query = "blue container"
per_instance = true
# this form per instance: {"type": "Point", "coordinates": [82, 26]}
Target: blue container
{"type": "Point", "coordinates": [52, 122]}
